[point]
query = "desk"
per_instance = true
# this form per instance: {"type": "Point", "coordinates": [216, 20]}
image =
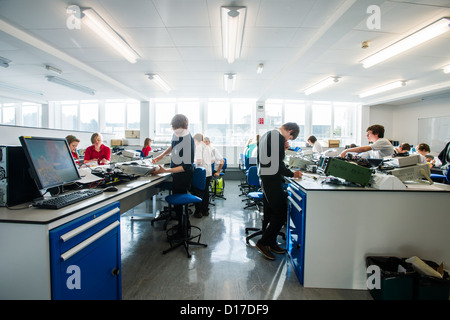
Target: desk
{"type": "Point", "coordinates": [342, 225]}
{"type": "Point", "coordinates": [24, 236]}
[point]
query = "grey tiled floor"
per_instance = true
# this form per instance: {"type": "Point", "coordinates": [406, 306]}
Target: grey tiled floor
{"type": "Point", "coordinates": [227, 269]}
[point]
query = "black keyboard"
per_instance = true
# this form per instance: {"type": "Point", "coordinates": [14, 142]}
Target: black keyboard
{"type": "Point", "coordinates": [64, 200]}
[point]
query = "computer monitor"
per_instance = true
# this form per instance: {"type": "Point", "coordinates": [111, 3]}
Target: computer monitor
{"type": "Point", "coordinates": [51, 162]}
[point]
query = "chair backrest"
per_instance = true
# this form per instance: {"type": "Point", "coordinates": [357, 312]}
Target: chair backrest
{"type": "Point", "coordinates": [252, 176]}
{"type": "Point", "coordinates": [447, 176]}
{"type": "Point", "coordinates": [199, 178]}
{"type": "Point", "coordinates": [224, 167]}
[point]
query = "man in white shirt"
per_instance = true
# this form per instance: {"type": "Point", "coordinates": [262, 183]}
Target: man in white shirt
{"type": "Point", "coordinates": [380, 148]}
{"type": "Point", "coordinates": [202, 159]}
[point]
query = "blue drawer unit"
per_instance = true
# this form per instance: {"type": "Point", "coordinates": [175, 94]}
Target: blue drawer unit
{"type": "Point", "coordinates": [85, 257]}
{"type": "Point", "coordinates": [296, 229]}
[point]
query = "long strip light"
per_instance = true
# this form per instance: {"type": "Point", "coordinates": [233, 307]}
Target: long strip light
{"type": "Point", "coordinates": [156, 79]}
{"type": "Point", "coordinates": [429, 32]}
{"type": "Point", "coordinates": [384, 88]}
{"type": "Point", "coordinates": [70, 84]}
{"type": "Point", "coordinates": [233, 22]}
{"type": "Point", "coordinates": [321, 85]}
{"type": "Point", "coordinates": [229, 81]}
{"type": "Point", "coordinates": [104, 30]}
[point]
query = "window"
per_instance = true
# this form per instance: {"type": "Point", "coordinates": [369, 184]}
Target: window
{"type": "Point", "coordinates": [164, 112]}
{"type": "Point", "coordinates": [321, 120]}
{"type": "Point", "coordinates": [8, 114]}
{"type": "Point", "coordinates": [89, 117]}
{"type": "Point", "coordinates": [241, 129]}
{"type": "Point", "coordinates": [191, 110]}
{"type": "Point", "coordinates": [218, 122]}
{"type": "Point", "coordinates": [115, 118]}
{"type": "Point", "coordinates": [295, 112]}
{"type": "Point", "coordinates": [274, 115]}
{"type": "Point", "coordinates": [69, 116]}
{"type": "Point", "coordinates": [343, 123]}
{"type": "Point", "coordinates": [133, 115]}
{"type": "Point", "coordinates": [30, 114]}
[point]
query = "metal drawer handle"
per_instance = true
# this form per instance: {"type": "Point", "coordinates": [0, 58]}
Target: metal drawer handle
{"type": "Point", "coordinates": [69, 253]}
{"type": "Point", "coordinates": [294, 204]}
{"type": "Point", "coordinates": [87, 225]}
{"type": "Point", "coordinates": [299, 198]}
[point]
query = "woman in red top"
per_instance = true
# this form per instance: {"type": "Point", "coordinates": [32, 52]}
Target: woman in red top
{"type": "Point", "coordinates": [146, 149]}
{"type": "Point", "coordinates": [98, 151]}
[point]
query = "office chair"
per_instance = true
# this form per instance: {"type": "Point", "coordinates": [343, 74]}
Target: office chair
{"type": "Point", "coordinates": [254, 196]}
{"type": "Point", "coordinates": [257, 198]}
{"type": "Point", "coordinates": [214, 193]}
{"type": "Point", "coordinates": [440, 177]}
{"type": "Point", "coordinates": [185, 199]}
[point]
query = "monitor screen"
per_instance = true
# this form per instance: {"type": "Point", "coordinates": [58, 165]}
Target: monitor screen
{"type": "Point", "coordinates": [50, 160]}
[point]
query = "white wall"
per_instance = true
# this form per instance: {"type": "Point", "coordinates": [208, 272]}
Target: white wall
{"type": "Point", "coordinates": [401, 122]}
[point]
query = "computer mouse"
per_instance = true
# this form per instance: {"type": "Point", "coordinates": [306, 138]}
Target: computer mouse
{"type": "Point", "coordinates": [110, 189]}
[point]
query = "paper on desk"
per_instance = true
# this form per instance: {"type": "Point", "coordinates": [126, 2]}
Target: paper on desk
{"type": "Point", "coordinates": [87, 176]}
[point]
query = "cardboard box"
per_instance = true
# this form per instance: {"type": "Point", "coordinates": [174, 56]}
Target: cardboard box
{"type": "Point", "coordinates": [116, 142]}
{"type": "Point", "coordinates": [333, 143]}
{"type": "Point", "coordinates": [132, 133]}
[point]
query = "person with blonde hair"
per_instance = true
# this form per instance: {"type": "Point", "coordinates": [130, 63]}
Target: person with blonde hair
{"type": "Point", "coordinates": [97, 152]}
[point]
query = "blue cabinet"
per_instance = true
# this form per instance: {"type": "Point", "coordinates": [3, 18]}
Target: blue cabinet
{"type": "Point", "coordinates": [296, 229]}
{"type": "Point", "coordinates": [85, 256]}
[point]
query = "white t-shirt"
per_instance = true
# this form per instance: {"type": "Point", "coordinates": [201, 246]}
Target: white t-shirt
{"type": "Point", "coordinates": [381, 148]}
{"type": "Point", "coordinates": [202, 158]}
{"type": "Point", "coordinates": [317, 147]}
{"type": "Point", "coordinates": [216, 157]}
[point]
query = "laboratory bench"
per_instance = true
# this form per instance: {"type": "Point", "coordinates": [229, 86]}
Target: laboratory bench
{"type": "Point", "coordinates": [333, 228]}
{"type": "Point", "coordinates": [69, 253]}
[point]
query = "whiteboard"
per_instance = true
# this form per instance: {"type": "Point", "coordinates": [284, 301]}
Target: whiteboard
{"type": "Point", "coordinates": [435, 132]}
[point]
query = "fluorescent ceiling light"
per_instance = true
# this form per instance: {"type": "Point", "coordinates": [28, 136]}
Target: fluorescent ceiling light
{"type": "Point", "coordinates": [233, 21]}
{"type": "Point", "coordinates": [156, 79]}
{"type": "Point", "coordinates": [321, 85]}
{"type": "Point", "coordinates": [53, 69]}
{"type": "Point", "coordinates": [70, 84]}
{"type": "Point", "coordinates": [431, 31]}
{"type": "Point", "coordinates": [18, 90]}
{"type": "Point", "coordinates": [387, 87]}
{"type": "Point", "coordinates": [4, 62]}
{"type": "Point", "coordinates": [447, 69]}
{"type": "Point", "coordinates": [229, 81]}
{"type": "Point", "coordinates": [104, 30]}
{"type": "Point", "coordinates": [260, 68]}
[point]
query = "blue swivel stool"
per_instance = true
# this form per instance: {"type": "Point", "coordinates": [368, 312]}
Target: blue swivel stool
{"type": "Point", "coordinates": [185, 199]}
{"type": "Point", "coordinates": [257, 199]}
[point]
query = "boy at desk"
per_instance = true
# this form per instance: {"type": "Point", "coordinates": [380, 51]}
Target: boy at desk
{"type": "Point", "coordinates": [182, 160]}
{"type": "Point", "coordinates": [380, 148]}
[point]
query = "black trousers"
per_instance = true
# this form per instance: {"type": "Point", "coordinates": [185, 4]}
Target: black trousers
{"type": "Point", "coordinates": [181, 184]}
{"type": "Point", "coordinates": [275, 208]}
{"type": "Point", "coordinates": [204, 194]}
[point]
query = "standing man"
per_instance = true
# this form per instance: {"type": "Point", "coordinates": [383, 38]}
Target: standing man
{"type": "Point", "coordinates": [380, 148]}
{"type": "Point", "coordinates": [271, 170]}
{"type": "Point", "coordinates": [181, 161]}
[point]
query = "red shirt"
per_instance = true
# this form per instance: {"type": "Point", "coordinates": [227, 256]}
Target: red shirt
{"type": "Point", "coordinates": [90, 153]}
{"type": "Point", "coordinates": [146, 150]}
